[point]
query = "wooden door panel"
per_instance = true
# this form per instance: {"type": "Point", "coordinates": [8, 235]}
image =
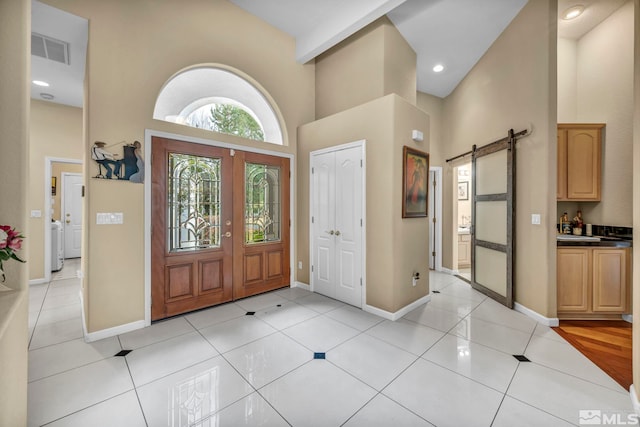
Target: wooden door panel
{"type": "Point", "coordinates": [274, 265]}
{"type": "Point", "coordinates": [179, 282]}
{"type": "Point", "coordinates": [200, 276]}
{"type": "Point", "coordinates": [573, 279]}
{"type": "Point", "coordinates": [609, 280]}
{"type": "Point", "coordinates": [211, 276]}
{"type": "Point", "coordinates": [259, 265]}
{"type": "Point", "coordinates": [561, 191]}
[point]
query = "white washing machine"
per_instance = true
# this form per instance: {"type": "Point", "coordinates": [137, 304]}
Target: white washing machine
{"type": "Point", "coordinates": [57, 248]}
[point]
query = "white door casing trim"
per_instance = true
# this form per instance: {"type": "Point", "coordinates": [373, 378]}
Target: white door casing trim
{"type": "Point", "coordinates": [363, 261]}
{"type": "Point", "coordinates": [148, 135]}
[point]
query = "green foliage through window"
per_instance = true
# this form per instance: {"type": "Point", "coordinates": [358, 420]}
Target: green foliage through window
{"type": "Point", "coordinates": [227, 118]}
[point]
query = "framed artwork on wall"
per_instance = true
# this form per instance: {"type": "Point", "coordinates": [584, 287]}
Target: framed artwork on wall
{"type": "Point", "coordinates": [463, 190]}
{"type": "Point", "coordinates": [53, 185]}
{"type": "Point", "coordinates": [415, 188]}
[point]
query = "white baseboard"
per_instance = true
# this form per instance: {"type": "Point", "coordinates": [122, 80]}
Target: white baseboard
{"type": "Point", "coordinates": [449, 271]}
{"type": "Point", "coordinates": [111, 332]}
{"type": "Point", "coordinates": [627, 318]}
{"type": "Point", "coordinates": [634, 399]}
{"type": "Point", "coordinates": [548, 321]}
{"type": "Point", "coordinates": [301, 285]}
{"type": "Point", "coordinates": [38, 281]}
{"type": "Point", "coordinates": [398, 314]}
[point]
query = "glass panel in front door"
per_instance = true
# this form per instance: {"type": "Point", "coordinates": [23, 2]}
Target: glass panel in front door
{"type": "Point", "coordinates": [262, 216]}
{"type": "Point", "coordinates": [194, 202]}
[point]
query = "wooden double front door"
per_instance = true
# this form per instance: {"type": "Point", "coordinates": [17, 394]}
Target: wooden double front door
{"type": "Point", "coordinates": [220, 225]}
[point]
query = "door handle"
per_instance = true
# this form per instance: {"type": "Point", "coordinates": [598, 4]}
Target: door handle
{"type": "Point", "coordinates": [68, 221]}
{"type": "Point", "coordinates": [337, 232]}
{"type": "Point", "coordinates": [227, 234]}
{"type": "Point", "coordinates": [330, 232]}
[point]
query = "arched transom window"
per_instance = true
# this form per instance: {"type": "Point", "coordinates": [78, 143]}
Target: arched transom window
{"type": "Point", "coordinates": [219, 100]}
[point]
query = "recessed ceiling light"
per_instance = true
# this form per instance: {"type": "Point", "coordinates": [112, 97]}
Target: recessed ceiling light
{"type": "Point", "coordinates": [438, 68]}
{"type": "Point", "coordinates": [40, 83]}
{"type": "Point", "coordinates": [573, 12]}
{"type": "Point", "coordinates": [46, 96]}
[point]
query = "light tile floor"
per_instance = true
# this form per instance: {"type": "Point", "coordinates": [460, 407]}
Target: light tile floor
{"type": "Point", "coordinates": [448, 363]}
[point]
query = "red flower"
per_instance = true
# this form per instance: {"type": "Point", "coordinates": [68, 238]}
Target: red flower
{"type": "Point", "coordinates": [10, 242]}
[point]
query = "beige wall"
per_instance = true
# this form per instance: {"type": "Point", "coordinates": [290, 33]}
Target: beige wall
{"type": "Point", "coordinates": [15, 30]}
{"type": "Point", "coordinates": [395, 246]}
{"type": "Point", "coordinates": [132, 53]}
{"type": "Point", "coordinates": [567, 80]}
{"type": "Point", "coordinates": [433, 106]}
{"type": "Point", "coordinates": [57, 169]}
{"type": "Point", "coordinates": [55, 131]}
{"type": "Point", "coordinates": [374, 62]}
{"type": "Point", "coordinates": [513, 85]}
{"type": "Point", "coordinates": [604, 95]}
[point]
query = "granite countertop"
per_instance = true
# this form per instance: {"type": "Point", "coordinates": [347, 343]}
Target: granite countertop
{"type": "Point", "coordinates": [605, 241]}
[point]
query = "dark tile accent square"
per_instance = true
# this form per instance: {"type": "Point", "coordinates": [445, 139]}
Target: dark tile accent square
{"type": "Point", "coordinates": [279, 305]}
{"type": "Point", "coordinates": [318, 355]}
{"type": "Point", "coordinates": [250, 313]}
{"type": "Point", "coordinates": [521, 358]}
{"type": "Point", "coordinates": [436, 292]}
{"type": "Point", "coordinates": [123, 353]}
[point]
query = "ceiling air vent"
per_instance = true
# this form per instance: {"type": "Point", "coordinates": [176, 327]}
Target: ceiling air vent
{"type": "Point", "coordinates": [46, 47]}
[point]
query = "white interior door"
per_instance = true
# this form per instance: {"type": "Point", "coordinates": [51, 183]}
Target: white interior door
{"type": "Point", "coordinates": [72, 214]}
{"type": "Point", "coordinates": [337, 222]}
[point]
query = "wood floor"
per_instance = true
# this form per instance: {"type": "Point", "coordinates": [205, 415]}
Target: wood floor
{"type": "Point", "coordinates": [606, 343]}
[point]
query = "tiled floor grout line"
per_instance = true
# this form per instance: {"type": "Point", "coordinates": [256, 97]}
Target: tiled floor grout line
{"type": "Point", "coordinates": [360, 332]}
{"type": "Point", "coordinates": [135, 388]}
{"type": "Point", "coordinates": [35, 325]}
{"type": "Point", "coordinates": [90, 406]}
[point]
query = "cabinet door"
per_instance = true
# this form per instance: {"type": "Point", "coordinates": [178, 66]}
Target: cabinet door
{"type": "Point", "coordinates": [610, 280]}
{"type": "Point", "coordinates": [573, 280]}
{"type": "Point", "coordinates": [561, 192]}
{"type": "Point", "coordinates": [583, 164]}
{"type": "Point", "coordinates": [464, 250]}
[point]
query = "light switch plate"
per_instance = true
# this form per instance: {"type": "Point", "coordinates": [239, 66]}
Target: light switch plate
{"type": "Point", "coordinates": [36, 214]}
{"type": "Point", "coordinates": [535, 219]}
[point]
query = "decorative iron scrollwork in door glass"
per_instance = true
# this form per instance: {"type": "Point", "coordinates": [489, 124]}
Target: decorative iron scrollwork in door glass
{"type": "Point", "coordinates": [262, 216]}
{"type": "Point", "coordinates": [194, 202]}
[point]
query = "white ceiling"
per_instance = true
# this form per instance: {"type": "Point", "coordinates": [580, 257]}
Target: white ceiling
{"type": "Point", "coordinates": [66, 81]}
{"type": "Point", "coordinates": [455, 33]}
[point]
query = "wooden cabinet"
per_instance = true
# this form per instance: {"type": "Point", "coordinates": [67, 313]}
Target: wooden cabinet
{"type": "Point", "coordinates": [610, 280]}
{"type": "Point", "coordinates": [579, 161]}
{"type": "Point", "coordinates": [574, 279]}
{"type": "Point", "coordinates": [593, 282]}
{"type": "Point", "coordinates": [464, 250]}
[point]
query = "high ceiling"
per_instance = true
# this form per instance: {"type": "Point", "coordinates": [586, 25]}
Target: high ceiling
{"type": "Point", "coordinates": [454, 33]}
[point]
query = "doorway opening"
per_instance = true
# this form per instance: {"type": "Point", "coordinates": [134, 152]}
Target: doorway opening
{"type": "Point", "coordinates": [58, 170]}
{"type": "Point", "coordinates": [464, 182]}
